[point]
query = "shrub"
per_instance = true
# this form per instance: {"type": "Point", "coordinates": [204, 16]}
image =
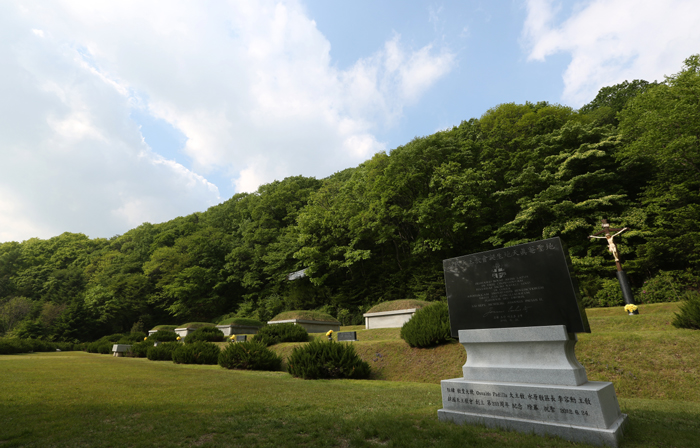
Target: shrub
{"type": "Point", "coordinates": [9, 346]}
{"type": "Point", "coordinates": [319, 359]}
{"type": "Point", "coordinates": [162, 352]}
{"type": "Point", "coordinates": [249, 355]}
{"type": "Point", "coordinates": [140, 349]}
{"type": "Point", "coordinates": [165, 327]}
{"type": "Point", "coordinates": [428, 327]}
{"type": "Point", "coordinates": [132, 337]}
{"type": "Point", "coordinates": [205, 334]}
{"type": "Point", "coordinates": [609, 294]}
{"type": "Point", "coordinates": [274, 334]}
{"type": "Point", "coordinates": [199, 352]}
{"type": "Point", "coordinates": [163, 336]}
{"type": "Point", "coordinates": [688, 316]}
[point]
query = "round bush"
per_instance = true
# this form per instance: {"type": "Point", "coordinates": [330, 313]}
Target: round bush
{"type": "Point", "coordinates": [430, 326]}
{"type": "Point", "coordinates": [162, 352]}
{"type": "Point", "coordinates": [249, 355]}
{"type": "Point", "coordinates": [274, 334]}
{"type": "Point", "coordinates": [319, 359]}
{"type": "Point", "coordinates": [132, 337]}
{"type": "Point", "coordinates": [199, 352]}
{"type": "Point", "coordinates": [163, 336]}
{"type": "Point", "coordinates": [140, 349]}
{"type": "Point", "coordinates": [205, 334]}
{"type": "Point", "coordinates": [688, 316]}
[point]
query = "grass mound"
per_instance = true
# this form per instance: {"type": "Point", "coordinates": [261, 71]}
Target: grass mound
{"type": "Point", "coordinates": [196, 325]}
{"type": "Point", "coordinates": [165, 327]}
{"type": "Point", "coordinates": [242, 321]}
{"type": "Point", "coordinates": [305, 315]}
{"type": "Point", "coordinates": [393, 305]}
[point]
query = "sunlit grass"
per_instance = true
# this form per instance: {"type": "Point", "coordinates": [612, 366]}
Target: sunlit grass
{"type": "Point", "coordinates": [74, 399]}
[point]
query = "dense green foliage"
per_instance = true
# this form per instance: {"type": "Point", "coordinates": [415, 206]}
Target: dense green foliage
{"type": "Point", "coordinates": [140, 349]}
{"type": "Point", "coordinates": [274, 334]}
{"type": "Point", "coordinates": [10, 346]}
{"type": "Point", "coordinates": [688, 315]}
{"type": "Point", "coordinates": [163, 351]}
{"type": "Point", "coordinates": [327, 360]}
{"type": "Point", "coordinates": [379, 232]}
{"type": "Point", "coordinates": [199, 352]}
{"type": "Point", "coordinates": [429, 326]}
{"type": "Point", "coordinates": [249, 355]}
{"type": "Point", "coordinates": [207, 334]}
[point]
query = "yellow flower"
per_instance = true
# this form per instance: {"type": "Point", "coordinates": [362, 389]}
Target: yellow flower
{"type": "Point", "coordinates": [178, 338]}
{"type": "Point", "coordinates": [145, 338]}
{"type": "Point", "coordinates": [630, 308]}
{"type": "Point", "coordinates": [233, 337]}
{"type": "Point", "coordinates": [330, 332]}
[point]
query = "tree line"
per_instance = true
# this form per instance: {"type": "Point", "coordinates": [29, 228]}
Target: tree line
{"type": "Point", "coordinates": [379, 231]}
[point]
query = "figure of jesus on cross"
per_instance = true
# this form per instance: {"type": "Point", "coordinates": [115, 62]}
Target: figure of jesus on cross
{"type": "Point", "coordinates": [612, 248]}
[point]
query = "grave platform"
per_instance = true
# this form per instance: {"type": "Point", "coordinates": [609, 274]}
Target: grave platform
{"type": "Point", "coordinates": [528, 379]}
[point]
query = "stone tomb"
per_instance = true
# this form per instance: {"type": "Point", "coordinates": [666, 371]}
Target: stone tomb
{"type": "Point", "coordinates": [311, 326]}
{"type": "Point", "coordinates": [230, 329]}
{"type": "Point", "coordinates": [388, 319]}
{"type": "Point", "coordinates": [516, 312]}
{"type": "Point", "coordinates": [120, 350]}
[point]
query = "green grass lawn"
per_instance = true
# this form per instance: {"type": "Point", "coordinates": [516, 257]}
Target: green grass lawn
{"type": "Point", "coordinates": [74, 399]}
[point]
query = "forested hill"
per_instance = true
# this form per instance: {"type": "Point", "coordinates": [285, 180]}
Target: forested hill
{"type": "Point", "coordinates": [381, 230]}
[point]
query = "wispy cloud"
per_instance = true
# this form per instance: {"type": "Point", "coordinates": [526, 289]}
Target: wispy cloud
{"type": "Point", "coordinates": [612, 40]}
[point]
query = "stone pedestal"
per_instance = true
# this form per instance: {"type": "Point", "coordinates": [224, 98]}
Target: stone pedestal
{"type": "Point", "coordinates": [120, 350]}
{"type": "Point", "coordinates": [311, 326]}
{"type": "Point", "coordinates": [528, 379]}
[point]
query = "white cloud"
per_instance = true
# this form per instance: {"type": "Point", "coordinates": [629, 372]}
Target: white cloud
{"type": "Point", "coordinates": [250, 84]}
{"type": "Point", "coordinates": [613, 40]}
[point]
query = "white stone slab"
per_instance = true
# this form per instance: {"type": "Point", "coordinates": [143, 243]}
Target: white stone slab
{"type": "Point", "coordinates": [586, 413]}
{"type": "Point", "coordinates": [388, 319]}
{"type": "Point", "coordinates": [311, 326]}
{"type": "Point", "coordinates": [230, 329]}
{"type": "Point", "coordinates": [540, 355]}
{"type": "Point", "coordinates": [120, 350]}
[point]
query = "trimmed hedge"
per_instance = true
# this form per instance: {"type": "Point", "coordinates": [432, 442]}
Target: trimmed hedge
{"type": "Point", "coordinates": [429, 326]}
{"type": "Point", "coordinates": [11, 346]}
{"type": "Point", "coordinates": [329, 360]}
{"type": "Point", "coordinates": [274, 334]}
{"type": "Point", "coordinates": [249, 355]}
{"type": "Point", "coordinates": [205, 334]}
{"type": "Point", "coordinates": [199, 352]}
{"type": "Point", "coordinates": [140, 349]}
{"type": "Point", "coordinates": [688, 315]}
{"type": "Point", "coordinates": [162, 352]}
{"type": "Point", "coordinates": [196, 325]}
{"type": "Point", "coordinates": [163, 336]}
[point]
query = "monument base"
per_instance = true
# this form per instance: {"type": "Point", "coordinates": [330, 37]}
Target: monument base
{"type": "Point", "coordinates": [587, 413]}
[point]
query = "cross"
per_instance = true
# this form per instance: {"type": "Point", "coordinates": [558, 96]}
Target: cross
{"type": "Point", "coordinates": [612, 248]}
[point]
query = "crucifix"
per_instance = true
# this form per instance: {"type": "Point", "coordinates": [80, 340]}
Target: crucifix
{"type": "Point", "coordinates": [612, 248]}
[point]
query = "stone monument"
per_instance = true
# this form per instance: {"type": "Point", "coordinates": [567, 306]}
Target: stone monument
{"type": "Point", "coordinates": [516, 311]}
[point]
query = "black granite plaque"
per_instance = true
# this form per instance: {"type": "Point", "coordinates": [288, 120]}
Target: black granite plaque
{"type": "Point", "coordinates": [241, 338]}
{"type": "Point", "coordinates": [527, 285]}
{"type": "Point", "coordinates": [347, 336]}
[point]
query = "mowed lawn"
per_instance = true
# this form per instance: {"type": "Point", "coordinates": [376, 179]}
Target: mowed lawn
{"type": "Point", "coordinates": [75, 399]}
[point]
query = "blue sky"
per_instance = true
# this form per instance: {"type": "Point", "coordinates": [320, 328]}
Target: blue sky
{"type": "Point", "coordinates": [117, 113]}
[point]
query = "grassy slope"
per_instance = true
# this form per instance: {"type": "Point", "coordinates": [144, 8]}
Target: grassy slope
{"type": "Point", "coordinates": [79, 399]}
